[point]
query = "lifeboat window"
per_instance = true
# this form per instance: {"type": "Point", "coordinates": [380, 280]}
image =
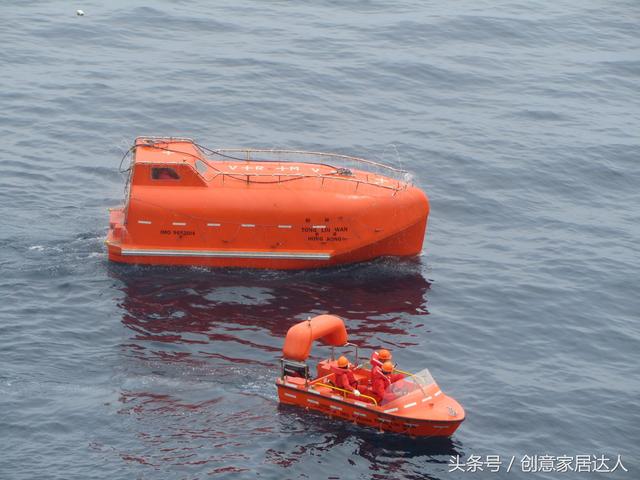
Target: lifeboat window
{"type": "Point", "coordinates": [201, 167]}
{"type": "Point", "coordinates": [164, 173]}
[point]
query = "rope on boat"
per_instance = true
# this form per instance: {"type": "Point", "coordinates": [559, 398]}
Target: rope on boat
{"type": "Point", "coordinates": [126, 154]}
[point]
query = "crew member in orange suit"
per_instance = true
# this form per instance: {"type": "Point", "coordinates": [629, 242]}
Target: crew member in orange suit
{"type": "Point", "coordinates": [378, 357]}
{"type": "Point", "coordinates": [344, 377]}
{"type": "Point", "coordinates": [380, 383]}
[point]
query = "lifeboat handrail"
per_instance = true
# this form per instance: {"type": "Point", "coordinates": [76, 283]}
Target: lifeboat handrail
{"type": "Point", "coordinates": [348, 392]}
{"type": "Point", "coordinates": [294, 176]}
{"type": "Point", "coordinates": [249, 151]}
{"type": "Point", "coordinates": [397, 174]}
{"type": "Point", "coordinates": [164, 139]}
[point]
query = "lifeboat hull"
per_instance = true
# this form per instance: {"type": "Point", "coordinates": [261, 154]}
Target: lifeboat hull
{"type": "Point", "coordinates": [359, 413]}
{"type": "Point", "coordinates": [260, 258]}
{"type": "Point", "coordinates": [273, 215]}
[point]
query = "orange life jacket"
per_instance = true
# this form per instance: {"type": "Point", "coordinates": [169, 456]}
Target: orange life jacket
{"type": "Point", "coordinates": [379, 385]}
{"type": "Point", "coordinates": [375, 360]}
{"type": "Point", "coordinates": [344, 378]}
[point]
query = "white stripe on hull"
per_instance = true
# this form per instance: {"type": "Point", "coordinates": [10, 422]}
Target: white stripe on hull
{"type": "Point", "coordinates": [224, 254]}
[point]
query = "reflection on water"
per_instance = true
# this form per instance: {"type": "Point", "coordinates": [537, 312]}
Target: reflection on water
{"type": "Point", "coordinates": [188, 304]}
{"type": "Point", "coordinates": [386, 454]}
{"type": "Point", "coordinates": [199, 364]}
{"type": "Point", "coordinates": [203, 435]}
{"type": "Point", "coordinates": [374, 442]}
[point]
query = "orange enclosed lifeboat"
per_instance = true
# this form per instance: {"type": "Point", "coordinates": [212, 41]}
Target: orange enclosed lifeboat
{"type": "Point", "coordinates": [412, 404]}
{"type": "Point", "coordinates": [189, 205]}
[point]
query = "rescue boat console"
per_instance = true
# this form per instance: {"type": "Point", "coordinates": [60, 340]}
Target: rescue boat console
{"type": "Point", "coordinates": [189, 205]}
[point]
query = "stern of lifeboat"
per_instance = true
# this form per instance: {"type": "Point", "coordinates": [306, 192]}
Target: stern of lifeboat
{"type": "Point", "coordinates": [116, 233]}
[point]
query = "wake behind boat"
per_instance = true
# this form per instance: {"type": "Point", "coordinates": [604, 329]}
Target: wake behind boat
{"type": "Point", "coordinates": [189, 205]}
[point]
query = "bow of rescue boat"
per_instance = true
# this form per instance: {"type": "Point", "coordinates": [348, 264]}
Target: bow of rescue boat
{"type": "Point", "coordinates": [439, 416]}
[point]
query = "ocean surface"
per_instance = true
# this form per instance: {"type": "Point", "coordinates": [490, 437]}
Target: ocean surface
{"type": "Point", "coordinates": [521, 121]}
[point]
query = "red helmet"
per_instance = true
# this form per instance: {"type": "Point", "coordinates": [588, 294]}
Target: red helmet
{"type": "Point", "coordinates": [387, 367]}
{"type": "Point", "coordinates": [343, 362]}
{"type": "Point", "coordinates": [384, 354]}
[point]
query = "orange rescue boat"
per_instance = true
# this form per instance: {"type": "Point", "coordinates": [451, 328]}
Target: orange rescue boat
{"type": "Point", "coordinates": [189, 205]}
{"type": "Point", "coordinates": [413, 405]}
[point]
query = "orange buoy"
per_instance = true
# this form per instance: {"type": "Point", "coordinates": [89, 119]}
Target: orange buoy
{"type": "Point", "coordinates": [299, 340]}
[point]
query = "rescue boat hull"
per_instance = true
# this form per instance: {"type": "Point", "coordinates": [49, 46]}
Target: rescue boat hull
{"type": "Point", "coordinates": [184, 209]}
{"type": "Point", "coordinates": [386, 399]}
{"type": "Point", "coordinates": [337, 407]}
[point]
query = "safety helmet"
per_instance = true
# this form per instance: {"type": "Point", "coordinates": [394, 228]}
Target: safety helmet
{"type": "Point", "coordinates": [384, 354]}
{"type": "Point", "coordinates": [387, 367]}
{"type": "Point", "coordinates": [343, 362]}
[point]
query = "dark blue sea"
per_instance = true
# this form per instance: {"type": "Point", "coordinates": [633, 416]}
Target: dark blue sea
{"type": "Point", "coordinates": [520, 120]}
